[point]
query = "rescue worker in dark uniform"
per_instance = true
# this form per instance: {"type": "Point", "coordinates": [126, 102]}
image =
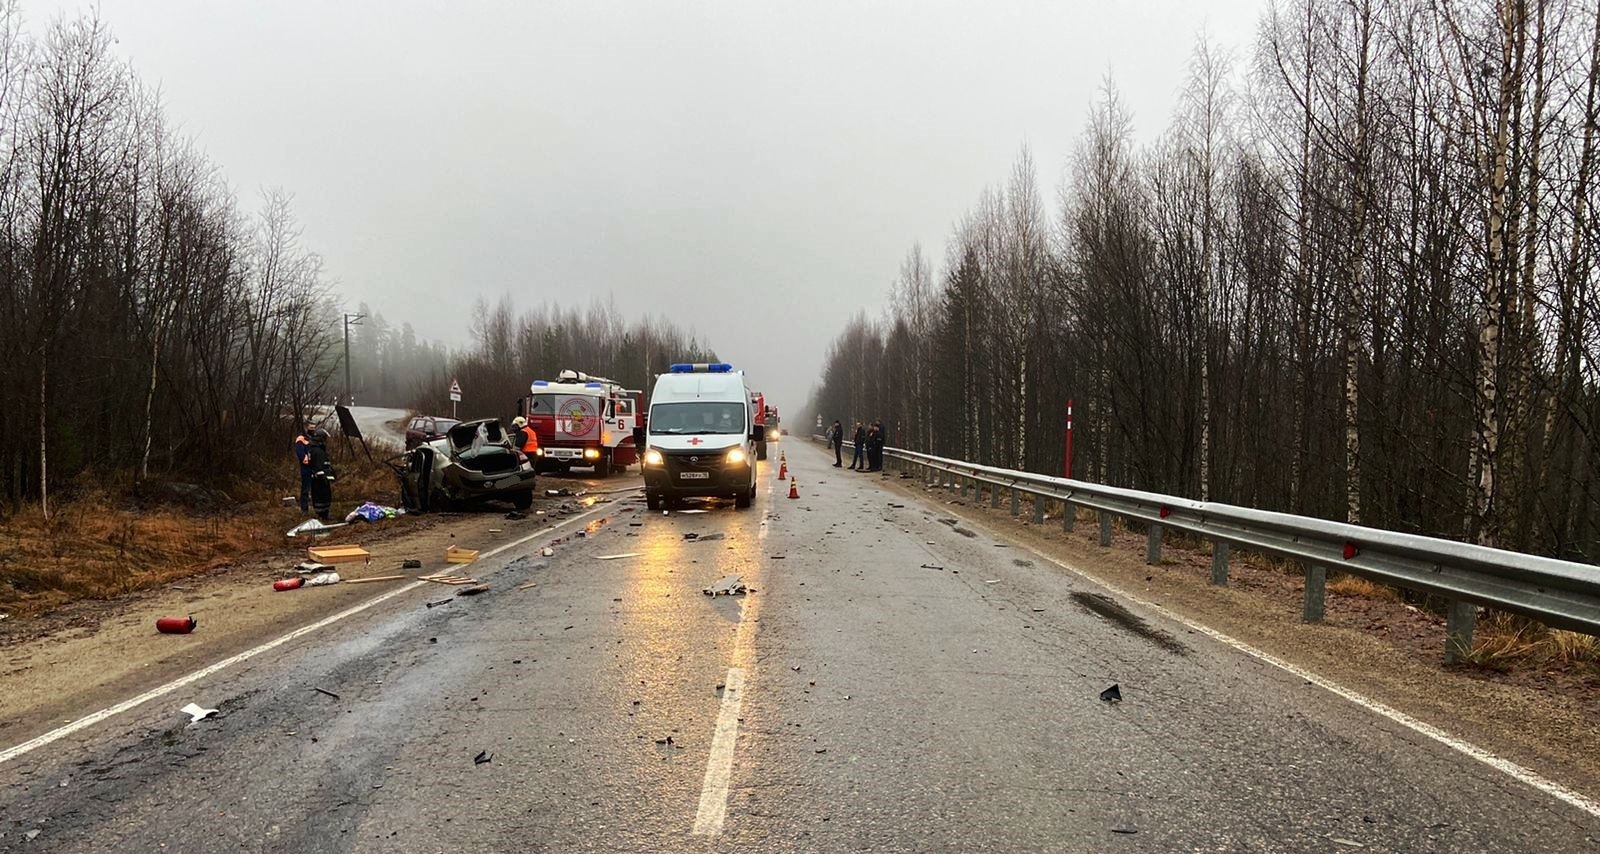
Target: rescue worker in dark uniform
{"type": "Point", "coordinates": [836, 440]}
{"type": "Point", "coordinates": [858, 462]}
{"type": "Point", "coordinates": [316, 459]}
{"type": "Point", "coordinates": [302, 443]}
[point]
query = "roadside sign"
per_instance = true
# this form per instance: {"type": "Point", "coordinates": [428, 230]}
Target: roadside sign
{"type": "Point", "coordinates": [455, 390]}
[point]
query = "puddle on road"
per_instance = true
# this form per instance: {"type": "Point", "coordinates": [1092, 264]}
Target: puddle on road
{"type": "Point", "coordinates": [1114, 613]}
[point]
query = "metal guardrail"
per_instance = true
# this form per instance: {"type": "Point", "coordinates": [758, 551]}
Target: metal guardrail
{"type": "Point", "coordinates": [1559, 593]}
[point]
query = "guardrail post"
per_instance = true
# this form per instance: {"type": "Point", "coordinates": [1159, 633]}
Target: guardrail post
{"type": "Point", "coordinates": [1219, 563]}
{"type": "Point", "coordinates": [1069, 516]}
{"type": "Point", "coordinates": [994, 496]}
{"type": "Point", "coordinates": [1105, 528]}
{"type": "Point", "coordinates": [1152, 545]}
{"type": "Point", "coordinates": [966, 487]}
{"type": "Point", "coordinates": [1316, 588]}
{"type": "Point", "coordinates": [1038, 509]}
{"type": "Point", "coordinates": [1460, 620]}
{"type": "Point", "coordinates": [1016, 502]}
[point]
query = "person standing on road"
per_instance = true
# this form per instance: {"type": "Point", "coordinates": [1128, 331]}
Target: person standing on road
{"type": "Point", "coordinates": [316, 459]}
{"type": "Point", "coordinates": [875, 447]}
{"type": "Point", "coordinates": [836, 441]}
{"type": "Point", "coordinates": [858, 460]}
{"type": "Point", "coordinates": [302, 444]}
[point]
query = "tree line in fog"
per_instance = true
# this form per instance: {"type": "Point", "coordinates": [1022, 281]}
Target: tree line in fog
{"type": "Point", "coordinates": [1353, 279]}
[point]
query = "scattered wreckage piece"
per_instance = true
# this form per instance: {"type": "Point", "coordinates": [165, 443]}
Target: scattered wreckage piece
{"type": "Point", "coordinates": [196, 713]}
{"type": "Point", "coordinates": [313, 526]}
{"type": "Point", "coordinates": [618, 557]}
{"type": "Point", "coordinates": [283, 584]}
{"type": "Point", "coordinates": [338, 554]}
{"type": "Point", "coordinates": [448, 579]}
{"type": "Point", "coordinates": [728, 585]}
{"type": "Point", "coordinates": [375, 578]}
{"type": "Point", "coordinates": [323, 579]}
{"type": "Point", "coordinates": [474, 590]}
{"type": "Point", "coordinates": [456, 554]}
{"type": "Point", "coordinates": [411, 563]}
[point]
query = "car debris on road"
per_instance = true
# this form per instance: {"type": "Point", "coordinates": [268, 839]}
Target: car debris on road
{"type": "Point", "coordinates": [1112, 694]}
{"type": "Point", "coordinates": [728, 585]}
{"type": "Point", "coordinates": [196, 713]}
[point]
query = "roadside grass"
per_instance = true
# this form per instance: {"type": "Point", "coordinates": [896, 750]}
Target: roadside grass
{"type": "Point", "coordinates": [107, 538]}
{"type": "Point", "coordinates": [1507, 641]}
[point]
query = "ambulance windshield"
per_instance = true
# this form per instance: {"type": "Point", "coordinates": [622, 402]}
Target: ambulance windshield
{"type": "Point", "coordinates": [679, 419]}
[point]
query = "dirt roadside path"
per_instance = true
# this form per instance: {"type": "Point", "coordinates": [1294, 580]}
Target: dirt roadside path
{"type": "Point", "coordinates": [95, 654]}
{"type": "Point", "coordinates": [1548, 723]}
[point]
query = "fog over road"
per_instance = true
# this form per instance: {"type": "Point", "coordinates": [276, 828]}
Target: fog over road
{"type": "Point", "coordinates": [892, 682]}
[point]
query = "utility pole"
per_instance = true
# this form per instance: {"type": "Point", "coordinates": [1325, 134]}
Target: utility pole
{"type": "Point", "coordinates": [349, 319]}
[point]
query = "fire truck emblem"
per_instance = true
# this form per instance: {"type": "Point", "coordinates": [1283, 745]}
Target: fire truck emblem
{"type": "Point", "coordinates": [580, 417]}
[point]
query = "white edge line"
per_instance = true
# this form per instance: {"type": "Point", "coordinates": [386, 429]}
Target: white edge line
{"type": "Point", "coordinates": [713, 810]}
{"type": "Point", "coordinates": [89, 720]}
{"type": "Point", "coordinates": [1505, 766]}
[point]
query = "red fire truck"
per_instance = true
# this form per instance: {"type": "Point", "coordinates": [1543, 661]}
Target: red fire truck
{"type": "Point", "coordinates": [583, 421]}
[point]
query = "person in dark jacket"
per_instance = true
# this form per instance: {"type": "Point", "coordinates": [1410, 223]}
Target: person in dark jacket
{"type": "Point", "coordinates": [836, 441]}
{"type": "Point", "coordinates": [858, 462]}
{"type": "Point", "coordinates": [316, 459]}
{"type": "Point", "coordinates": [302, 443]}
{"type": "Point", "coordinates": [875, 447]}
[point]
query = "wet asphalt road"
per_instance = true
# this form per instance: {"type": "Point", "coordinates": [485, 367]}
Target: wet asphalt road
{"type": "Point", "coordinates": [894, 683]}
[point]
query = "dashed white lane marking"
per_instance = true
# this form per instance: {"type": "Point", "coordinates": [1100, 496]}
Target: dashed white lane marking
{"type": "Point", "coordinates": [89, 720]}
{"type": "Point", "coordinates": [713, 809]}
{"type": "Point", "coordinates": [1467, 748]}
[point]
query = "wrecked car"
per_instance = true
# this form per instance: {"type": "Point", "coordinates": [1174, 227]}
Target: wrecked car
{"type": "Point", "coordinates": [473, 462]}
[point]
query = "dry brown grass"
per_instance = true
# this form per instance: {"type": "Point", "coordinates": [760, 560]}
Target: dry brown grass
{"type": "Point", "coordinates": [1504, 641]}
{"type": "Point", "coordinates": [102, 543]}
{"type": "Point", "coordinates": [1344, 584]}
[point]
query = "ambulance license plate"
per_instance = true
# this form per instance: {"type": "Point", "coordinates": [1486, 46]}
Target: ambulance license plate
{"type": "Point", "coordinates": [694, 475]}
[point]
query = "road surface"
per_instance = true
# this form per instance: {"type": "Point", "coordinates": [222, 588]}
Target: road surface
{"type": "Point", "coordinates": [894, 681]}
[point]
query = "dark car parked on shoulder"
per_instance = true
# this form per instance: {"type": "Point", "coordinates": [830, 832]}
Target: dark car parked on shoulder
{"type": "Point", "coordinates": [427, 428]}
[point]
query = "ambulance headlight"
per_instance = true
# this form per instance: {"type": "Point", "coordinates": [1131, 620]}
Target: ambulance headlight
{"type": "Point", "coordinates": [737, 457]}
{"type": "Point", "coordinates": [652, 457]}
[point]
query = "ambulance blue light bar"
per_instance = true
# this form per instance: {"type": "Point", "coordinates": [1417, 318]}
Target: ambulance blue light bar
{"type": "Point", "coordinates": [593, 385]}
{"type": "Point", "coordinates": [540, 383]}
{"type": "Point", "coordinates": [702, 368]}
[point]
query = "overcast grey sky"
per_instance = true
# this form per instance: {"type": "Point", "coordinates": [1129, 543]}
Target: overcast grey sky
{"type": "Point", "coordinates": [754, 170]}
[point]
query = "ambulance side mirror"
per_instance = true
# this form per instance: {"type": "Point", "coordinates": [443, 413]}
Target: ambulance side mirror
{"type": "Point", "coordinates": [638, 437]}
{"type": "Point", "coordinates": [758, 433]}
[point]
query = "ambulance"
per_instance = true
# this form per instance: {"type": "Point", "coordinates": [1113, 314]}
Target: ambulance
{"type": "Point", "coordinates": [701, 436]}
{"type": "Point", "coordinates": [582, 421]}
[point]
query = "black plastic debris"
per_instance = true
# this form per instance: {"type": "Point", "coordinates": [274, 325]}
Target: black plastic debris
{"type": "Point", "coordinates": [483, 757]}
{"type": "Point", "coordinates": [1127, 830]}
{"type": "Point", "coordinates": [558, 493]}
{"type": "Point", "coordinates": [411, 563]}
{"type": "Point", "coordinates": [1112, 694]}
{"type": "Point", "coordinates": [932, 566]}
{"type": "Point", "coordinates": [516, 516]}
{"type": "Point", "coordinates": [440, 602]}
{"type": "Point", "coordinates": [473, 590]}
{"type": "Point", "coordinates": [326, 691]}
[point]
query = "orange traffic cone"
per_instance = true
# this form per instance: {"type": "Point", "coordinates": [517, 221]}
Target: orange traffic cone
{"type": "Point", "coordinates": [783, 470]}
{"type": "Point", "coordinates": [794, 492]}
{"type": "Point", "coordinates": [783, 457]}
